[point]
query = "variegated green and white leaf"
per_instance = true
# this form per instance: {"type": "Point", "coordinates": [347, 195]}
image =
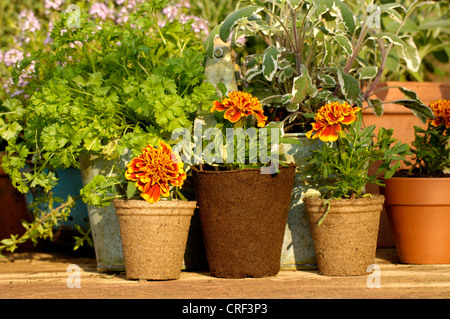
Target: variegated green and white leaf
{"type": "Point", "coordinates": [287, 98]}
{"type": "Point", "coordinates": [410, 54]}
{"type": "Point", "coordinates": [327, 79]}
{"type": "Point", "coordinates": [303, 86]}
{"type": "Point", "coordinates": [419, 109]}
{"type": "Point", "coordinates": [408, 50]}
{"type": "Point", "coordinates": [345, 43]}
{"type": "Point", "coordinates": [367, 72]}
{"type": "Point", "coordinates": [251, 73]}
{"type": "Point", "coordinates": [410, 94]}
{"type": "Point", "coordinates": [230, 22]}
{"type": "Point", "coordinates": [349, 86]}
{"type": "Point", "coordinates": [294, 4]}
{"type": "Point", "coordinates": [389, 8]}
{"type": "Point", "coordinates": [344, 13]}
{"type": "Point", "coordinates": [270, 62]}
{"type": "Point", "coordinates": [377, 106]}
{"type": "Point", "coordinates": [292, 107]}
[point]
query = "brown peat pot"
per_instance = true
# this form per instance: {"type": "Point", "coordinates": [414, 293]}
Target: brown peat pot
{"type": "Point", "coordinates": [243, 215]}
{"type": "Point", "coordinates": [346, 240]}
{"type": "Point", "coordinates": [154, 237]}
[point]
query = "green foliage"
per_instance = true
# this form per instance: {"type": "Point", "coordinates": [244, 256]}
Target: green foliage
{"type": "Point", "coordinates": [431, 151]}
{"type": "Point", "coordinates": [316, 52]}
{"type": "Point", "coordinates": [100, 89]}
{"type": "Point", "coordinates": [341, 169]}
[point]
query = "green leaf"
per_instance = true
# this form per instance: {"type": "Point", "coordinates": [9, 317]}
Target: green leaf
{"type": "Point", "coordinates": [349, 86]}
{"type": "Point", "coordinates": [367, 72]}
{"type": "Point", "coordinates": [131, 189]}
{"type": "Point", "coordinates": [241, 14]}
{"type": "Point", "coordinates": [408, 50]}
{"type": "Point", "coordinates": [345, 43]}
{"type": "Point", "coordinates": [270, 62]}
{"type": "Point", "coordinates": [303, 86]}
{"type": "Point", "coordinates": [342, 10]}
{"type": "Point", "coordinates": [377, 106]}
{"type": "Point", "coordinates": [410, 94]}
{"type": "Point", "coordinates": [294, 4]}
{"type": "Point", "coordinates": [419, 109]}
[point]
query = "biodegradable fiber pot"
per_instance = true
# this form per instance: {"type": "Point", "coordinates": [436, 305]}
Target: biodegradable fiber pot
{"type": "Point", "coordinates": [154, 237]}
{"type": "Point", "coordinates": [243, 215]}
{"type": "Point", "coordinates": [346, 241]}
{"type": "Point", "coordinates": [418, 210]}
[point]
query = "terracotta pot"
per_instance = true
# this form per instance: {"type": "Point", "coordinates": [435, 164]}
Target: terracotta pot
{"type": "Point", "coordinates": [154, 237]}
{"type": "Point", "coordinates": [418, 211]}
{"type": "Point", "coordinates": [346, 241]}
{"type": "Point", "coordinates": [243, 215]}
{"type": "Point", "coordinates": [13, 209]}
{"type": "Point", "coordinates": [402, 120]}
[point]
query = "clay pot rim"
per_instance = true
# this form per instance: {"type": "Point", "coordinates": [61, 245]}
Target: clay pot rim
{"type": "Point", "coordinates": [234, 171]}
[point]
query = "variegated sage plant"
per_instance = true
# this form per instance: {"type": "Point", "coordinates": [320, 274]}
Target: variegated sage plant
{"type": "Point", "coordinates": [315, 52]}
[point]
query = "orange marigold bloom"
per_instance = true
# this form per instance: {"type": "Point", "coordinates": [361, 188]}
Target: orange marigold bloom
{"type": "Point", "coordinates": [441, 111]}
{"type": "Point", "coordinates": [329, 119]}
{"type": "Point", "coordinates": [155, 170]}
{"type": "Point", "coordinates": [240, 105]}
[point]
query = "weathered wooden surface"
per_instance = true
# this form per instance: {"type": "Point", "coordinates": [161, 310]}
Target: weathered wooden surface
{"type": "Point", "coordinates": [41, 275]}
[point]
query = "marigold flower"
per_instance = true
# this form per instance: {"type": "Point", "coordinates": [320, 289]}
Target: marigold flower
{"type": "Point", "coordinates": [155, 171]}
{"type": "Point", "coordinates": [329, 119]}
{"type": "Point", "coordinates": [441, 111]}
{"type": "Point", "coordinates": [240, 105]}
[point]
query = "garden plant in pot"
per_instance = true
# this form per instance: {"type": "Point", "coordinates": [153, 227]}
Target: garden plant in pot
{"type": "Point", "coordinates": [344, 220]}
{"type": "Point", "coordinates": [106, 89]}
{"type": "Point", "coordinates": [153, 228]}
{"type": "Point", "coordinates": [243, 190]}
{"type": "Point", "coordinates": [296, 56]}
{"type": "Point", "coordinates": [417, 201]}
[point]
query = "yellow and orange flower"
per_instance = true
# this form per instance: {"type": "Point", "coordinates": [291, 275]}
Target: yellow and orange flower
{"type": "Point", "coordinates": [155, 171]}
{"type": "Point", "coordinates": [238, 105]}
{"type": "Point", "coordinates": [441, 110]}
{"type": "Point", "coordinates": [329, 119]}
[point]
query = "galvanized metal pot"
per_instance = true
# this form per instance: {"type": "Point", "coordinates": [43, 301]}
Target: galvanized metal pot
{"type": "Point", "coordinates": [103, 220]}
{"type": "Point", "coordinates": [298, 247]}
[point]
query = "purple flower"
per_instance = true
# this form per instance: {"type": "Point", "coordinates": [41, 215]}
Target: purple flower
{"type": "Point", "coordinates": [12, 56]}
{"type": "Point", "coordinates": [28, 21]}
{"type": "Point", "coordinates": [198, 24]}
{"type": "Point", "coordinates": [53, 4]}
{"type": "Point", "coordinates": [101, 11]}
{"type": "Point", "coordinates": [171, 12]}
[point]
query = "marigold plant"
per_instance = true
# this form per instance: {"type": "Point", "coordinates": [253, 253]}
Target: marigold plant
{"type": "Point", "coordinates": [329, 119]}
{"type": "Point", "coordinates": [155, 171]}
{"type": "Point", "coordinates": [431, 144]}
{"type": "Point", "coordinates": [340, 168]}
{"type": "Point", "coordinates": [238, 106]}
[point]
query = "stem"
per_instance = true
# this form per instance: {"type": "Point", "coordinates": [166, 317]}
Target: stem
{"type": "Point", "coordinates": [386, 52]}
{"type": "Point", "coordinates": [158, 28]}
{"type": "Point", "coordinates": [284, 27]}
{"type": "Point", "coordinates": [23, 238]}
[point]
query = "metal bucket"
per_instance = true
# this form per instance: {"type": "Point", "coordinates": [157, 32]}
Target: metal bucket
{"type": "Point", "coordinates": [104, 222]}
{"type": "Point", "coordinates": [298, 246]}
